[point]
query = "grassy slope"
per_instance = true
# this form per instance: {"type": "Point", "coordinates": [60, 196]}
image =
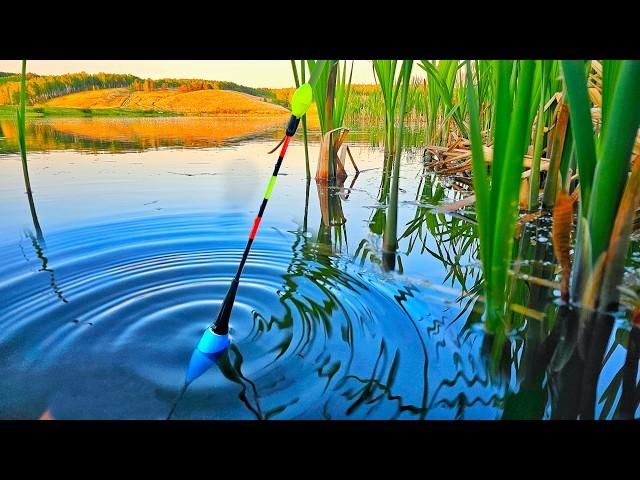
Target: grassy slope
{"type": "Point", "coordinates": [200, 102]}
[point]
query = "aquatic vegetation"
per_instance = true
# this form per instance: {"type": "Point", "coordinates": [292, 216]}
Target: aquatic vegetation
{"type": "Point", "coordinates": [331, 94]}
{"type": "Point", "coordinates": [390, 240]}
{"type": "Point", "coordinates": [606, 207]}
{"type": "Point", "coordinates": [441, 106]}
{"type": "Point", "coordinates": [478, 331]}
{"type": "Point", "coordinates": [497, 193]}
{"type": "Point", "coordinates": [21, 121]}
{"type": "Point", "coordinates": [547, 83]}
{"type": "Point", "coordinates": [385, 71]}
{"type": "Point", "coordinates": [299, 81]}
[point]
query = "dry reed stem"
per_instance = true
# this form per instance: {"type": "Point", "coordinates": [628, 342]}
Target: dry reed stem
{"type": "Point", "coordinates": [561, 235]}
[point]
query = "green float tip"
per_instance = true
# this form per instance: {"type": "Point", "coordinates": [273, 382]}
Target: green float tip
{"type": "Point", "coordinates": [301, 100]}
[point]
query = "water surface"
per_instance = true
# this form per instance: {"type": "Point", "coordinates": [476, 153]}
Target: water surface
{"type": "Point", "coordinates": [142, 224]}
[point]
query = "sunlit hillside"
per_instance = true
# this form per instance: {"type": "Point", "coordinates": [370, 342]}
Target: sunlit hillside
{"type": "Point", "coordinates": [199, 102]}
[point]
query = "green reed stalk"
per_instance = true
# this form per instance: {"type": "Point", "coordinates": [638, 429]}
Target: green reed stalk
{"type": "Point", "coordinates": [21, 112]}
{"type": "Point", "coordinates": [610, 74]}
{"type": "Point", "coordinates": [581, 125]}
{"type": "Point", "coordinates": [343, 91]}
{"type": "Point", "coordinates": [503, 118]}
{"type": "Point", "coordinates": [497, 198]}
{"type": "Point", "coordinates": [304, 117]}
{"type": "Point", "coordinates": [390, 240]}
{"type": "Point", "coordinates": [385, 71]}
{"type": "Point", "coordinates": [331, 92]}
{"type": "Point", "coordinates": [480, 180]}
{"type": "Point", "coordinates": [21, 119]}
{"type": "Point", "coordinates": [329, 108]}
{"type": "Point", "coordinates": [506, 207]}
{"type": "Point", "coordinates": [442, 80]}
{"type": "Point", "coordinates": [615, 155]}
{"type": "Point", "coordinates": [604, 163]}
{"type": "Point", "coordinates": [305, 133]}
{"type": "Point", "coordinates": [534, 179]}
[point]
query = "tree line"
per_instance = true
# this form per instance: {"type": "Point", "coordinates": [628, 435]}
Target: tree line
{"type": "Point", "coordinates": [41, 88]}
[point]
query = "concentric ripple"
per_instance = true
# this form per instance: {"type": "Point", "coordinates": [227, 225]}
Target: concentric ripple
{"type": "Point", "coordinates": [100, 322]}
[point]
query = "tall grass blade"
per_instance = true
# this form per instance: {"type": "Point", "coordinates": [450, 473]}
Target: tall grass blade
{"type": "Point", "coordinates": [615, 154]}
{"type": "Point", "coordinates": [581, 125]}
{"type": "Point", "coordinates": [21, 118]}
{"type": "Point", "coordinates": [619, 243]}
{"type": "Point", "coordinates": [390, 241]}
{"type": "Point", "coordinates": [304, 117]}
{"type": "Point", "coordinates": [509, 181]}
{"type": "Point", "coordinates": [480, 179]}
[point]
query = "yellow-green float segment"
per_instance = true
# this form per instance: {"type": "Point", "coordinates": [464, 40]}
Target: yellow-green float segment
{"type": "Point", "coordinates": [301, 100]}
{"type": "Point", "coordinates": [272, 182]}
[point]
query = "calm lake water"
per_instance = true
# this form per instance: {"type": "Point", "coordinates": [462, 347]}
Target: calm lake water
{"type": "Point", "coordinates": [142, 224]}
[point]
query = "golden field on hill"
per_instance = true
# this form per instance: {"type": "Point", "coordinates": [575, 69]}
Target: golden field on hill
{"type": "Point", "coordinates": [199, 102]}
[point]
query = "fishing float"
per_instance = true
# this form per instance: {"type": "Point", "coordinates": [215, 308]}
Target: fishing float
{"type": "Point", "coordinates": [215, 339]}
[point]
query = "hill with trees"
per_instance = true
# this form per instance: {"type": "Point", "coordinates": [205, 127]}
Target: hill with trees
{"type": "Point", "coordinates": [42, 88]}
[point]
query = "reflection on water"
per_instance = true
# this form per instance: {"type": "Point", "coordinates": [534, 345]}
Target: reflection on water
{"type": "Point", "coordinates": [101, 321]}
{"type": "Point", "coordinates": [121, 135]}
{"type": "Point", "coordinates": [135, 134]}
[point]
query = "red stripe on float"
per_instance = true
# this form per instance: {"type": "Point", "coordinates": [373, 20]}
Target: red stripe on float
{"type": "Point", "coordinates": [256, 223]}
{"type": "Point", "coordinates": [284, 146]}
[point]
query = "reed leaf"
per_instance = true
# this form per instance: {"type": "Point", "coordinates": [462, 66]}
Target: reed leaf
{"type": "Point", "coordinates": [610, 73]}
{"type": "Point", "coordinates": [480, 179]}
{"type": "Point", "coordinates": [558, 142]}
{"type": "Point", "coordinates": [21, 119]}
{"type": "Point", "coordinates": [615, 154]}
{"type": "Point", "coordinates": [390, 241]}
{"type": "Point", "coordinates": [509, 183]}
{"type": "Point", "coordinates": [502, 120]}
{"type": "Point", "coordinates": [619, 242]}
{"type": "Point", "coordinates": [304, 117]}
{"type": "Point", "coordinates": [581, 125]}
{"type": "Point", "coordinates": [443, 79]}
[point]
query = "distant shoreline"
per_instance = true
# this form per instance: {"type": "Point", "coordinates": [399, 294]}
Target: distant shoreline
{"type": "Point", "coordinates": [9, 111]}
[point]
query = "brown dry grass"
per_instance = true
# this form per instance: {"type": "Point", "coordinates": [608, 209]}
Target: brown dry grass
{"type": "Point", "coordinates": [200, 102]}
{"type": "Point", "coordinates": [108, 98]}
